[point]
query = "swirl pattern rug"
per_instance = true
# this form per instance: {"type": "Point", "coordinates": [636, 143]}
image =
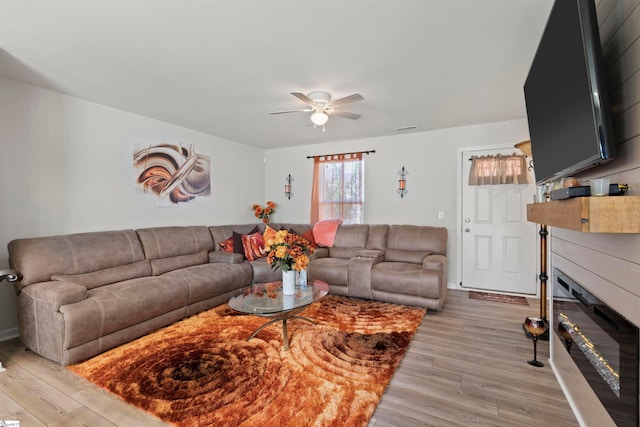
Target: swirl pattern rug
{"type": "Point", "coordinates": [202, 371]}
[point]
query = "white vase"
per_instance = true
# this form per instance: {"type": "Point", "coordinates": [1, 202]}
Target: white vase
{"type": "Point", "coordinates": [289, 282]}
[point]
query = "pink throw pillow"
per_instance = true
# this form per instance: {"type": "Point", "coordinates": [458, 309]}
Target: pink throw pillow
{"type": "Point", "coordinates": [324, 232]}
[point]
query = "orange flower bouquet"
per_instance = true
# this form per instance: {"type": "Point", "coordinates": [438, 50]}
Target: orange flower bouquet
{"type": "Point", "coordinates": [264, 213]}
{"type": "Point", "coordinates": [288, 251]}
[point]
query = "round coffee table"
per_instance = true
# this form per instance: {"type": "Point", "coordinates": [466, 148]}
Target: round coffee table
{"type": "Point", "coordinates": [267, 300]}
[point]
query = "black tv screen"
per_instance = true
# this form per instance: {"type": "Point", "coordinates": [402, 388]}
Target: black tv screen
{"type": "Point", "coordinates": [566, 95]}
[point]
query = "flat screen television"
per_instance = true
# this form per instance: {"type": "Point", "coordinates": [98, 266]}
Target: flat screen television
{"type": "Point", "coordinates": [566, 95]}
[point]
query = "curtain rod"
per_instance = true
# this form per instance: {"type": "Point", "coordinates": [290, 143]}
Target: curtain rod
{"type": "Point", "coordinates": [338, 154]}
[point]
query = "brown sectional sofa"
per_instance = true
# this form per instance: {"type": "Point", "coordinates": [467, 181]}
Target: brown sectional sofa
{"type": "Point", "coordinates": [81, 294]}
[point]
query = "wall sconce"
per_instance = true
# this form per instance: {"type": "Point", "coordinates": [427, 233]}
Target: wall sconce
{"type": "Point", "coordinates": [402, 182]}
{"type": "Point", "coordinates": [287, 186]}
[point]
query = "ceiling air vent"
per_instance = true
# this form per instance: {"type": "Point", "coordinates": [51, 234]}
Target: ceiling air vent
{"type": "Point", "coordinates": [404, 128]}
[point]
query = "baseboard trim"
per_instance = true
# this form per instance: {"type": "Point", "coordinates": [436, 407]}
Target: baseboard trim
{"type": "Point", "coordinates": [8, 334]}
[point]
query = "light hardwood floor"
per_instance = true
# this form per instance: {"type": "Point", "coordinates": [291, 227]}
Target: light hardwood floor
{"type": "Point", "coordinates": [466, 367]}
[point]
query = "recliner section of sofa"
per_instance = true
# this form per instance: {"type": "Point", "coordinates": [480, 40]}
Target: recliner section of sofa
{"type": "Point", "coordinates": [82, 294]}
{"type": "Point", "coordinates": [88, 292]}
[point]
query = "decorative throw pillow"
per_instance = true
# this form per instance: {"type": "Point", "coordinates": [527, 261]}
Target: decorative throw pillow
{"type": "Point", "coordinates": [309, 236]}
{"type": "Point", "coordinates": [253, 245]}
{"type": "Point", "coordinates": [237, 240]}
{"type": "Point", "coordinates": [227, 245]}
{"type": "Point", "coordinates": [269, 233]}
{"type": "Point", "coordinates": [324, 232]}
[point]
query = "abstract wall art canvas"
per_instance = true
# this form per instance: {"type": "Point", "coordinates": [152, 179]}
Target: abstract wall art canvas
{"type": "Point", "coordinates": [174, 173]}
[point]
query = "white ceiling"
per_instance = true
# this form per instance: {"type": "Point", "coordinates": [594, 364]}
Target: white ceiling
{"type": "Point", "coordinates": [220, 66]}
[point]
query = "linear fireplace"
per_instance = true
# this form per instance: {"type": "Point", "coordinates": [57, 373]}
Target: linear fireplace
{"type": "Point", "coordinates": [602, 343]}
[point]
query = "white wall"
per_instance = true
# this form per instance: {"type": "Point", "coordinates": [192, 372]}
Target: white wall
{"type": "Point", "coordinates": [66, 166]}
{"type": "Point", "coordinates": [430, 157]}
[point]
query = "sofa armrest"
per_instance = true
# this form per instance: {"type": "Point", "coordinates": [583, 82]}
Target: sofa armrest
{"type": "Point", "coordinates": [360, 268]}
{"type": "Point", "coordinates": [226, 257]}
{"type": "Point", "coordinates": [319, 252]}
{"type": "Point", "coordinates": [439, 263]}
{"type": "Point", "coordinates": [55, 293]}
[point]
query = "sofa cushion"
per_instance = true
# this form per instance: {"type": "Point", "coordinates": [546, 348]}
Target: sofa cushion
{"type": "Point", "coordinates": [377, 238]}
{"type": "Point", "coordinates": [207, 281]}
{"type": "Point", "coordinates": [399, 255]}
{"type": "Point", "coordinates": [163, 265]}
{"type": "Point", "coordinates": [334, 271]}
{"type": "Point", "coordinates": [166, 242]}
{"type": "Point", "coordinates": [111, 308]}
{"type": "Point", "coordinates": [352, 236]}
{"type": "Point", "coordinates": [406, 279]}
{"type": "Point", "coordinates": [347, 253]}
{"type": "Point", "coordinates": [417, 238]}
{"type": "Point", "coordinates": [40, 258]}
{"type": "Point", "coordinates": [108, 275]}
{"type": "Point", "coordinates": [263, 272]}
{"type": "Point", "coordinates": [226, 257]}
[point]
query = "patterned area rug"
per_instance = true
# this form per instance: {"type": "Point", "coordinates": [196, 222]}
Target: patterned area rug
{"type": "Point", "coordinates": [202, 371]}
{"type": "Point", "coordinates": [509, 299]}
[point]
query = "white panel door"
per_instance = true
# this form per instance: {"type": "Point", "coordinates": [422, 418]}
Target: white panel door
{"type": "Point", "coordinates": [498, 244]}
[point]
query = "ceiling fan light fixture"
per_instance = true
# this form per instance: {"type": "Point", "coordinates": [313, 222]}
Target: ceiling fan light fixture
{"type": "Point", "coordinates": [319, 118]}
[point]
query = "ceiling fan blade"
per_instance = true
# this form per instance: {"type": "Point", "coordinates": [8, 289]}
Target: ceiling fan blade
{"type": "Point", "coordinates": [302, 97]}
{"type": "Point", "coordinates": [290, 111]}
{"type": "Point", "coordinates": [346, 114]}
{"type": "Point", "coordinates": [347, 99]}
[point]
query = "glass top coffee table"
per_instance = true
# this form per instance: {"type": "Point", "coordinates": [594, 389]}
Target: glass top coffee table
{"type": "Point", "coordinates": [267, 300]}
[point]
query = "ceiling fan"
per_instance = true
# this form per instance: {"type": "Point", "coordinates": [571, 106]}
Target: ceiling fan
{"type": "Point", "coordinates": [321, 106]}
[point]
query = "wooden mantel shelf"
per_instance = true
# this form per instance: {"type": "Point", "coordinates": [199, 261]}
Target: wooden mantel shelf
{"type": "Point", "coordinates": [613, 214]}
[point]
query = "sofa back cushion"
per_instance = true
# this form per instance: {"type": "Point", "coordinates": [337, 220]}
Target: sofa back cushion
{"type": "Point", "coordinates": [350, 239]}
{"type": "Point", "coordinates": [108, 275]}
{"type": "Point", "coordinates": [165, 242]}
{"type": "Point", "coordinates": [40, 258]}
{"type": "Point", "coordinates": [399, 255]}
{"type": "Point", "coordinates": [377, 238]}
{"type": "Point", "coordinates": [351, 236]}
{"type": "Point", "coordinates": [171, 248]}
{"type": "Point", "coordinates": [411, 243]}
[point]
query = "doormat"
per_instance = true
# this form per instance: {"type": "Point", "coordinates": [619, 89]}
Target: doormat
{"type": "Point", "coordinates": [508, 299]}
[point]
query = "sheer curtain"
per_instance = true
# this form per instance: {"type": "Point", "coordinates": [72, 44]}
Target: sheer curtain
{"type": "Point", "coordinates": [498, 169]}
{"type": "Point", "coordinates": [338, 188]}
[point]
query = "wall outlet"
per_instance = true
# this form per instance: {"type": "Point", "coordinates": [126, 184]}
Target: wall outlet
{"type": "Point", "coordinates": [440, 214]}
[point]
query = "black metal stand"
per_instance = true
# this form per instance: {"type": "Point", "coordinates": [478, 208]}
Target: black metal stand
{"type": "Point", "coordinates": [543, 281]}
{"type": "Point", "coordinates": [535, 361]}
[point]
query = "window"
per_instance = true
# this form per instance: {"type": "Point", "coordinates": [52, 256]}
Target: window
{"type": "Point", "coordinates": [338, 188]}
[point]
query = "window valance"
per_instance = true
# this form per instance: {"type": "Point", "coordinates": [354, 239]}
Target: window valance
{"type": "Point", "coordinates": [498, 169]}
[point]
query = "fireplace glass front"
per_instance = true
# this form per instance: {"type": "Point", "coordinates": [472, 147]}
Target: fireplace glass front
{"type": "Point", "coordinates": [602, 343]}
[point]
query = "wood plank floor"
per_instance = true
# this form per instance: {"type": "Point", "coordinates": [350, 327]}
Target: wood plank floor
{"type": "Point", "coordinates": [466, 367]}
